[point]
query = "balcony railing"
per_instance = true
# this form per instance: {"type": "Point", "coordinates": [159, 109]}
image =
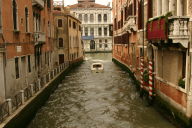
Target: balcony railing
{"type": "Point", "coordinates": [178, 30]}
{"type": "Point", "coordinates": [174, 28]}
{"type": "Point", "coordinates": [38, 3]}
{"type": "Point", "coordinates": [39, 36]}
{"type": "Point", "coordinates": [130, 24]}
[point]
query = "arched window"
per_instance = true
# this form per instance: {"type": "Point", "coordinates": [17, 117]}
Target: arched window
{"type": "Point", "coordinates": [92, 31]}
{"type": "Point", "coordinates": [91, 18]}
{"type": "Point", "coordinates": [86, 31]}
{"type": "Point", "coordinates": [59, 23]}
{"type": "Point", "coordinates": [100, 31]}
{"type": "Point", "coordinates": [100, 43]}
{"type": "Point", "coordinates": [80, 17]}
{"type": "Point", "coordinates": [61, 42]}
{"type": "Point", "coordinates": [15, 26]}
{"type": "Point", "coordinates": [99, 18]}
{"type": "Point", "coordinates": [106, 43]}
{"type": "Point", "coordinates": [86, 18]}
{"type": "Point", "coordinates": [26, 20]}
{"type": "Point", "coordinates": [105, 31]}
{"type": "Point", "coordinates": [105, 17]}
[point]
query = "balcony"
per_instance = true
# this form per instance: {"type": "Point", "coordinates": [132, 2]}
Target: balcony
{"type": "Point", "coordinates": [173, 28]}
{"type": "Point", "coordinates": [38, 3]}
{"type": "Point", "coordinates": [130, 24]}
{"type": "Point", "coordinates": [39, 37]}
{"type": "Point", "coordinates": [178, 30]}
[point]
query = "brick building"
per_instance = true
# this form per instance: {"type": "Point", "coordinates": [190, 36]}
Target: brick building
{"type": "Point", "coordinates": [26, 43]}
{"type": "Point", "coordinates": [152, 37]}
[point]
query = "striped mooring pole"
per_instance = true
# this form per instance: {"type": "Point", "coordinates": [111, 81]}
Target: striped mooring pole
{"type": "Point", "coordinates": [142, 70]}
{"type": "Point", "coordinates": [150, 78]}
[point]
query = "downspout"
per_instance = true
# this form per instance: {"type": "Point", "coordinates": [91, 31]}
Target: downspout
{"type": "Point", "coordinates": [68, 37]}
{"type": "Point", "coordinates": [4, 54]}
{"type": "Point", "coordinates": [189, 81]}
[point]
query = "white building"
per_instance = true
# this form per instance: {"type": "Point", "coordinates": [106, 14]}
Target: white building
{"type": "Point", "coordinates": [96, 25]}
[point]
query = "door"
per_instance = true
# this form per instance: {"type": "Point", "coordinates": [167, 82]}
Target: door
{"type": "Point", "coordinates": [61, 58]}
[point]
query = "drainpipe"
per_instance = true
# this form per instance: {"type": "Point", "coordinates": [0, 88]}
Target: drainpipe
{"type": "Point", "coordinates": [189, 85]}
{"type": "Point", "coordinates": [68, 37]}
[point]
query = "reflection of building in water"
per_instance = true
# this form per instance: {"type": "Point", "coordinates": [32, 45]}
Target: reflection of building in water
{"type": "Point", "coordinates": [96, 25]}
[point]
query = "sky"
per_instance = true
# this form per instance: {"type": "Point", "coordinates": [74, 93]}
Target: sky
{"type": "Point", "coordinates": [70, 2]}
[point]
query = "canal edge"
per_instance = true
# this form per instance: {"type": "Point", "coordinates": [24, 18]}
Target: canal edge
{"type": "Point", "coordinates": [168, 111]}
{"type": "Point", "coordinates": [23, 115]}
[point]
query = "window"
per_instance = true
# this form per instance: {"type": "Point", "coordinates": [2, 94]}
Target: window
{"type": "Point", "coordinates": [80, 17]}
{"type": "Point", "coordinates": [23, 66]}
{"type": "Point", "coordinates": [92, 31]}
{"type": "Point", "coordinates": [106, 45]}
{"type": "Point", "coordinates": [29, 63]}
{"type": "Point", "coordinates": [105, 31]}
{"type": "Point", "coordinates": [15, 25]}
{"type": "Point", "coordinates": [167, 59]}
{"type": "Point", "coordinates": [61, 58]}
{"type": "Point", "coordinates": [86, 18]}
{"type": "Point", "coordinates": [74, 25]}
{"type": "Point", "coordinates": [105, 17]}
{"type": "Point", "coordinates": [100, 43]}
{"type": "Point", "coordinates": [49, 4]}
{"type": "Point", "coordinates": [86, 31]}
{"type": "Point", "coordinates": [91, 18]}
{"type": "Point", "coordinates": [99, 18]}
{"type": "Point", "coordinates": [26, 20]}
{"type": "Point", "coordinates": [60, 42]}
{"type": "Point", "coordinates": [49, 29]}
{"type": "Point", "coordinates": [60, 24]}
{"type": "Point", "coordinates": [17, 68]}
{"type": "Point", "coordinates": [69, 23]}
{"type": "Point", "coordinates": [140, 15]}
{"type": "Point", "coordinates": [100, 31]}
{"type": "Point", "coordinates": [37, 22]}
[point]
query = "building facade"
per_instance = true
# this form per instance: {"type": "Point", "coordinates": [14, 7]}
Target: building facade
{"type": "Point", "coordinates": [68, 45]}
{"type": "Point", "coordinates": [153, 39]}
{"type": "Point", "coordinates": [25, 43]}
{"type": "Point", "coordinates": [32, 43]}
{"type": "Point", "coordinates": [96, 25]}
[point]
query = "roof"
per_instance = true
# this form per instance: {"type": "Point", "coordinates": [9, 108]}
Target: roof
{"type": "Point", "coordinates": [87, 5]}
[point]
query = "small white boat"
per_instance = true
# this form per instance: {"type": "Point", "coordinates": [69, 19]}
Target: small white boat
{"type": "Point", "coordinates": [97, 67]}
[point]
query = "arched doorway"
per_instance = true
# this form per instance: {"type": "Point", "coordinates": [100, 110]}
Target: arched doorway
{"type": "Point", "coordinates": [92, 44]}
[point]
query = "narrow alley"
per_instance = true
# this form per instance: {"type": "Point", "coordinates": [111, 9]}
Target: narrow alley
{"type": "Point", "coordinates": [97, 100]}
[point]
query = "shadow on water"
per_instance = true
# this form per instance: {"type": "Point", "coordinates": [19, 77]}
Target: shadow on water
{"type": "Point", "coordinates": [97, 100]}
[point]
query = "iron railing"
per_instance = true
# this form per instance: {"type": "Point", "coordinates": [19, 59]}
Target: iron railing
{"type": "Point", "coordinates": [4, 111]}
{"type": "Point", "coordinates": [27, 93]}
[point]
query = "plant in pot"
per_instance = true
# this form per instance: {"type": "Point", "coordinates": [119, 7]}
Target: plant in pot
{"type": "Point", "coordinates": [146, 77]}
{"type": "Point", "coordinates": [181, 83]}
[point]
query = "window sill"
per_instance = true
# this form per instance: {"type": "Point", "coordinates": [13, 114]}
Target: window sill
{"type": "Point", "coordinates": [28, 33]}
{"type": "Point", "coordinates": [16, 31]}
{"type": "Point", "coordinates": [171, 84]}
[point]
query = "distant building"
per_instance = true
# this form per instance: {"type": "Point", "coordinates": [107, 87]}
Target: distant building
{"type": "Point", "coordinates": [68, 44]}
{"type": "Point", "coordinates": [96, 25]}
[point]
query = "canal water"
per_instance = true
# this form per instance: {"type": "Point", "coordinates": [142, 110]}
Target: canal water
{"type": "Point", "coordinates": [97, 100]}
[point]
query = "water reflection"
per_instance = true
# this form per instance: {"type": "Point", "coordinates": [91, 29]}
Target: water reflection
{"type": "Point", "coordinates": [97, 100]}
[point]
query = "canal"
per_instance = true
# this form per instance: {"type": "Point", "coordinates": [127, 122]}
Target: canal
{"type": "Point", "coordinates": [97, 100]}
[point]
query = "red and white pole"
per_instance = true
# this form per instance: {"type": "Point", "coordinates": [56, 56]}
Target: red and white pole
{"type": "Point", "coordinates": [142, 70]}
{"type": "Point", "coordinates": [150, 78]}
